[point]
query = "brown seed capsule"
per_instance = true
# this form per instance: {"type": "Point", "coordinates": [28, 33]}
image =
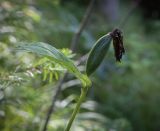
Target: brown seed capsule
{"type": "Point", "coordinates": [118, 44]}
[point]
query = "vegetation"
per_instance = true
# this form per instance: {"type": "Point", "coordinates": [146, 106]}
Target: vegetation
{"type": "Point", "coordinates": [124, 96]}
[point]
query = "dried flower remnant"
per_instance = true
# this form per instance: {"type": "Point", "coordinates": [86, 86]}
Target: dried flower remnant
{"type": "Point", "coordinates": [118, 44]}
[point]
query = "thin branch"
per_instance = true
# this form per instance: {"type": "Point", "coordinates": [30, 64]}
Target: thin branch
{"type": "Point", "coordinates": [129, 13]}
{"type": "Point", "coordinates": [82, 59]}
{"type": "Point", "coordinates": [74, 43]}
{"type": "Point", "coordinates": [55, 96]}
{"type": "Point", "coordinates": [84, 22]}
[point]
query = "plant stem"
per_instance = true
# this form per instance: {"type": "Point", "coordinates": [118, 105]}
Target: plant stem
{"type": "Point", "coordinates": [75, 111]}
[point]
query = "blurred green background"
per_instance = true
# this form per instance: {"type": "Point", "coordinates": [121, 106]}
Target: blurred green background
{"type": "Point", "coordinates": [124, 97]}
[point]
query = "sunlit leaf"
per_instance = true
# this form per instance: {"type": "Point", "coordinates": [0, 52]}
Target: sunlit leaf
{"type": "Point", "coordinates": [55, 55]}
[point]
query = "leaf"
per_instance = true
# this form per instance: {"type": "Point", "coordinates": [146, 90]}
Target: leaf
{"type": "Point", "coordinates": [98, 53]}
{"type": "Point", "coordinates": [55, 55]}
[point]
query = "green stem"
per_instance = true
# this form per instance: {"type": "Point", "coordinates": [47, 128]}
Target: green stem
{"type": "Point", "coordinates": [81, 98]}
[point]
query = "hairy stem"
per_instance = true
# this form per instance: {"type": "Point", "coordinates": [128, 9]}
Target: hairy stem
{"type": "Point", "coordinates": [75, 111]}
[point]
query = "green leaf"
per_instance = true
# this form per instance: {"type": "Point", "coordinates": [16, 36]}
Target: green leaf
{"type": "Point", "coordinates": [55, 55]}
{"type": "Point", "coordinates": [98, 53]}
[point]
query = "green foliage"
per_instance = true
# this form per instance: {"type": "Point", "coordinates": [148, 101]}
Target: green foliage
{"type": "Point", "coordinates": [50, 69]}
{"type": "Point", "coordinates": [55, 55]}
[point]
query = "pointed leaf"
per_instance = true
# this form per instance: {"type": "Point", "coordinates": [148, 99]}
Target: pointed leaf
{"type": "Point", "coordinates": [54, 54]}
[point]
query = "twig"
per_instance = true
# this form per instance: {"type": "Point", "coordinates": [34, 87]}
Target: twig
{"type": "Point", "coordinates": [82, 59]}
{"type": "Point", "coordinates": [73, 48]}
{"type": "Point", "coordinates": [129, 13]}
{"type": "Point", "coordinates": [51, 108]}
{"type": "Point", "coordinates": [85, 19]}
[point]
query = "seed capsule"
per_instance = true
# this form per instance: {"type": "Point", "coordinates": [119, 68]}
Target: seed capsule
{"type": "Point", "coordinates": [98, 53]}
